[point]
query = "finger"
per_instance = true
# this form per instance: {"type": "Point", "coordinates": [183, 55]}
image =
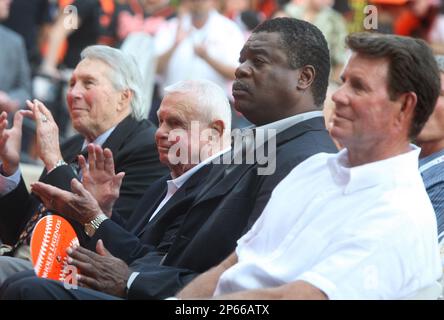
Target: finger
{"type": "Point", "coordinates": [82, 164]}
{"type": "Point", "coordinates": [118, 179]}
{"type": "Point", "coordinates": [42, 108]}
{"type": "Point", "coordinates": [36, 114]}
{"type": "Point", "coordinates": [109, 161]}
{"type": "Point", "coordinates": [27, 114]}
{"type": "Point", "coordinates": [41, 188]}
{"type": "Point", "coordinates": [100, 249]}
{"type": "Point", "coordinates": [91, 157]}
{"type": "Point", "coordinates": [50, 191]}
{"type": "Point", "coordinates": [3, 121]}
{"type": "Point", "coordinates": [83, 267]}
{"type": "Point", "coordinates": [88, 282]}
{"type": "Point", "coordinates": [18, 121]}
{"type": "Point", "coordinates": [78, 188]}
{"type": "Point", "coordinates": [30, 105]}
{"type": "Point", "coordinates": [82, 255]}
{"type": "Point", "coordinates": [99, 158]}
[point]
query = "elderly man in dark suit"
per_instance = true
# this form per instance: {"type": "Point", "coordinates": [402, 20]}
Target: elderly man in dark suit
{"type": "Point", "coordinates": [281, 85]}
{"type": "Point", "coordinates": [107, 107]}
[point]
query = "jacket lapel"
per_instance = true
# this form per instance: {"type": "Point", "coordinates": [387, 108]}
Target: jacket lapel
{"type": "Point", "coordinates": [186, 190]}
{"type": "Point", "coordinates": [121, 133]}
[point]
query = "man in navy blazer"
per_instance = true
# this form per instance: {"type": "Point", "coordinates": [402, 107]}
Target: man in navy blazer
{"type": "Point", "coordinates": [281, 85]}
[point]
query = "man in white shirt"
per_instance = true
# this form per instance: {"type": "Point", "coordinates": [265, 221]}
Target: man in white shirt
{"type": "Point", "coordinates": [359, 224]}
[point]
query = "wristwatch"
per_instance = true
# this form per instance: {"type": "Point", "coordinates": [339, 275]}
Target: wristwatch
{"type": "Point", "coordinates": [58, 164]}
{"type": "Point", "coordinates": [93, 225]}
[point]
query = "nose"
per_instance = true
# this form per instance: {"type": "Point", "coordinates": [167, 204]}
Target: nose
{"type": "Point", "coordinates": [162, 132]}
{"type": "Point", "coordinates": [74, 91]}
{"type": "Point", "coordinates": [339, 96]}
{"type": "Point", "coordinates": [242, 71]}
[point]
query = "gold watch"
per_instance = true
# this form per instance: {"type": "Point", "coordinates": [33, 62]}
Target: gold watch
{"type": "Point", "coordinates": [93, 225]}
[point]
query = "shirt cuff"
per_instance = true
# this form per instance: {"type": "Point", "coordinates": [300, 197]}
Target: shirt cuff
{"type": "Point", "coordinates": [131, 279]}
{"type": "Point", "coordinates": [320, 282]}
{"type": "Point", "coordinates": [7, 184]}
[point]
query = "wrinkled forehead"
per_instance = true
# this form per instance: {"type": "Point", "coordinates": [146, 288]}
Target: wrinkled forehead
{"type": "Point", "coordinates": [178, 103]}
{"type": "Point", "coordinates": [92, 68]}
{"type": "Point", "coordinates": [264, 40]}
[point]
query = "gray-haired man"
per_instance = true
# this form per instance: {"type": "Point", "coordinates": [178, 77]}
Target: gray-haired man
{"type": "Point", "coordinates": [106, 105]}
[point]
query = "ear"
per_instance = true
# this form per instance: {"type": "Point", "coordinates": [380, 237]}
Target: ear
{"type": "Point", "coordinates": [219, 126]}
{"type": "Point", "coordinates": [408, 102]}
{"type": "Point", "coordinates": [125, 99]}
{"type": "Point", "coordinates": [306, 77]}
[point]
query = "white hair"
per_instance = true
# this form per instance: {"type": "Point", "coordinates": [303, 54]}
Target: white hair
{"type": "Point", "coordinates": [125, 75]}
{"type": "Point", "coordinates": [209, 100]}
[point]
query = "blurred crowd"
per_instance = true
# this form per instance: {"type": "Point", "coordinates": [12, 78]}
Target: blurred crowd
{"type": "Point", "coordinates": [174, 40]}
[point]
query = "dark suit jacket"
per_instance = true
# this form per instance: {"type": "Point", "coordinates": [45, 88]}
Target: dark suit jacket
{"type": "Point", "coordinates": [135, 152]}
{"type": "Point", "coordinates": [141, 235]}
{"type": "Point", "coordinates": [223, 212]}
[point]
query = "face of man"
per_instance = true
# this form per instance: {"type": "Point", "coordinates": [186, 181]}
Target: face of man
{"type": "Point", "coordinates": [179, 120]}
{"type": "Point", "coordinates": [433, 130]}
{"type": "Point", "coordinates": [200, 7]}
{"type": "Point", "coordinates": [4, 9]}
{"type": "Point", "coordinates": [264, 79]}
{"type": "Point", "coordinates": [364, 115]}
{"type": "Point", "coordinates": [94, 104]}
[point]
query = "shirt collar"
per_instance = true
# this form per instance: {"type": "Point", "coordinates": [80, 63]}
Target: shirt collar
{"type": "Point", "coordinates": [283, 124]}
{"type": "Point", "coordinates": [180, 181]}
{"type": "Point", "coordinates": [100, 140]}
{"type": "Point", "coordinates": [391, 170]}
{"type": "Point", "coordinates": [431, 157]}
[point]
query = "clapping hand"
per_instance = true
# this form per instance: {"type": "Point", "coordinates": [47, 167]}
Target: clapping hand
{"type": "Point", "coordinates": [99, 177]}
{"type": "Point", "coordinates": [47, 134]}
{"type": "Point", "coordinates": [10, 143]}
{"type": "Point", "coordinates": [78, 205]}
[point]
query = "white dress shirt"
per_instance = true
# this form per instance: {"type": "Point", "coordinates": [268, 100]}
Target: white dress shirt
{"type": "Point", "coordinates": [366, 232]}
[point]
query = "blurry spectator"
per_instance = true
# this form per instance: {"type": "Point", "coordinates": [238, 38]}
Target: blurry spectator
{"type": "Point", "coordinates": [15, 83]}
{"type": "Point", "coordinates": [356, 16]}
{"type": "Point", "coordinates": [330, 22]}
{"type": "Point", "coordinates": [200, 44]}
{"type": "Point", "coordinates": [143, 16]}
{"type": "Point", "coordinates": [240, 12]}
{"type": "Point", "coordinates": [30, 19]}
{"type": "Point", "coordinates": [431, 141]}
{"type": "Point", "coordinates": [86, 34]}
